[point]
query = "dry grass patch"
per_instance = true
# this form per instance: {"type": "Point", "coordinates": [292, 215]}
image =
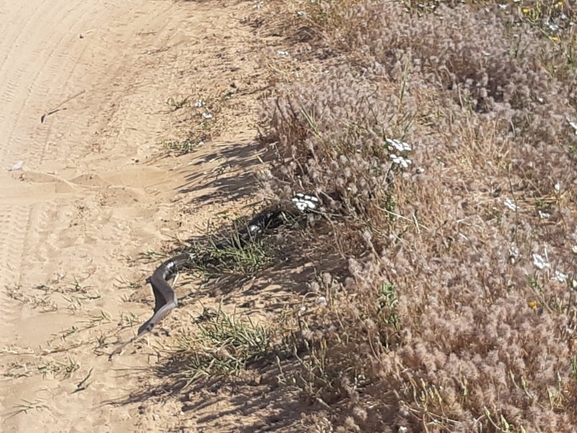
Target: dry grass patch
{"type": "Point", "coordinates": [443, 143]}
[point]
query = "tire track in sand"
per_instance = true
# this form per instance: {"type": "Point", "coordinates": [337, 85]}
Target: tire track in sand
{"type": "Point", "coordinates": [32, 51]}
{"type": "Point", "coordinates": [40, 49]}
{"type": "Point", "coordinates": [43, 62]}
{"type": "Point", "coordinates": [30, 80]}
{"type": "Point", "coordinates": [13, 226]}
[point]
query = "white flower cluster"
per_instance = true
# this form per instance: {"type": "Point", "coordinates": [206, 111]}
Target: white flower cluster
{"type": "Point", "coordinates": [560, 276]}
{"type": "Point", "coordinates": [541, 262]}
{"type": "Point", "coordinates": [510, 204]}
{"type": "Point", "coordinates": [403, 162]}
{"type": "Point", "coordinates": [399, 146]}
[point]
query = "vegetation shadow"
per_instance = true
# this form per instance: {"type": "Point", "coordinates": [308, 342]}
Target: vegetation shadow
{"type": "Point", "coordinates": [232, 179]}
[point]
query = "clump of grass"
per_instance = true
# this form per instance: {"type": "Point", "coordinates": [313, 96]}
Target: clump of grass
{"type": "Point", "coordinates": [57, 369]}
{"type": "Point", "coordinates": [222, 346]}
{"type": "Point", "coordinates": [64, 369]}
{"type": "Point", "coordinates": [202, 119]}
{"type": "Point", "coordinates": [184, 146]}
{"type": "Point", "coordinates": [44, 303]}
{"type": "Point", "coordinates": [74, 295]}
{"type": "Point", "coordinates": [77, 295]}
{"type": "Point", "coordinates": [177, 103]}
{"type": "Point", "coordinates": [15, 370]}
{"type": "Point", "coordinates": [217, 259]}
{"type": "Point", "coordinates": [151, 255]}
{"type": "Point", "coordinates": [235, 252]}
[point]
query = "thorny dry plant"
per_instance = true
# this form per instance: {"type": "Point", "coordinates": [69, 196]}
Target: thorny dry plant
{"type": "Point", "coordinates": [443, 141]}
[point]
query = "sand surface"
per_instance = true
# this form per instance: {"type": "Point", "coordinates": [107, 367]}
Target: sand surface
{"type": "Point", "coordinates": [83, 89]}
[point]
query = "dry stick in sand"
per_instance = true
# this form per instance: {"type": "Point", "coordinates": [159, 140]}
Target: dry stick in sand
{"type": "Point", "coordinates": [57, 108]}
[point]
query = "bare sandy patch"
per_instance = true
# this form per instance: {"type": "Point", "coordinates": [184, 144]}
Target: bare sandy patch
{"type": "Point", "coordinates": [89, 92]}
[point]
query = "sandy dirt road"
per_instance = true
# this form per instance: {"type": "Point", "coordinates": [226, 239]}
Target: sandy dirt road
{"type": "Point", "coordinates": [94, 190]}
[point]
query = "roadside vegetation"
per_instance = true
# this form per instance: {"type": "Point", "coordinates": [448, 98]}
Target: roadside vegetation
{"type": "Point", "coordinates": [441, 137]}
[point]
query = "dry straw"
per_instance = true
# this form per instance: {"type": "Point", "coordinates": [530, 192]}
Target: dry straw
{"type": "Point", "coordinates": [440, 142]}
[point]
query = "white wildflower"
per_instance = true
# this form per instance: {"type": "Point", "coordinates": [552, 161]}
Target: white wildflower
{"type": "Point", "coordinates": [540, 261]}
{"type": "Point", "coordinates": [510, 204]}
{"type": "Point", "coordinates": [403, 162]}
{"type": "Point", "coordinates": [398, 145]}
{"type": "Point", "coordinates": [560, 276]}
